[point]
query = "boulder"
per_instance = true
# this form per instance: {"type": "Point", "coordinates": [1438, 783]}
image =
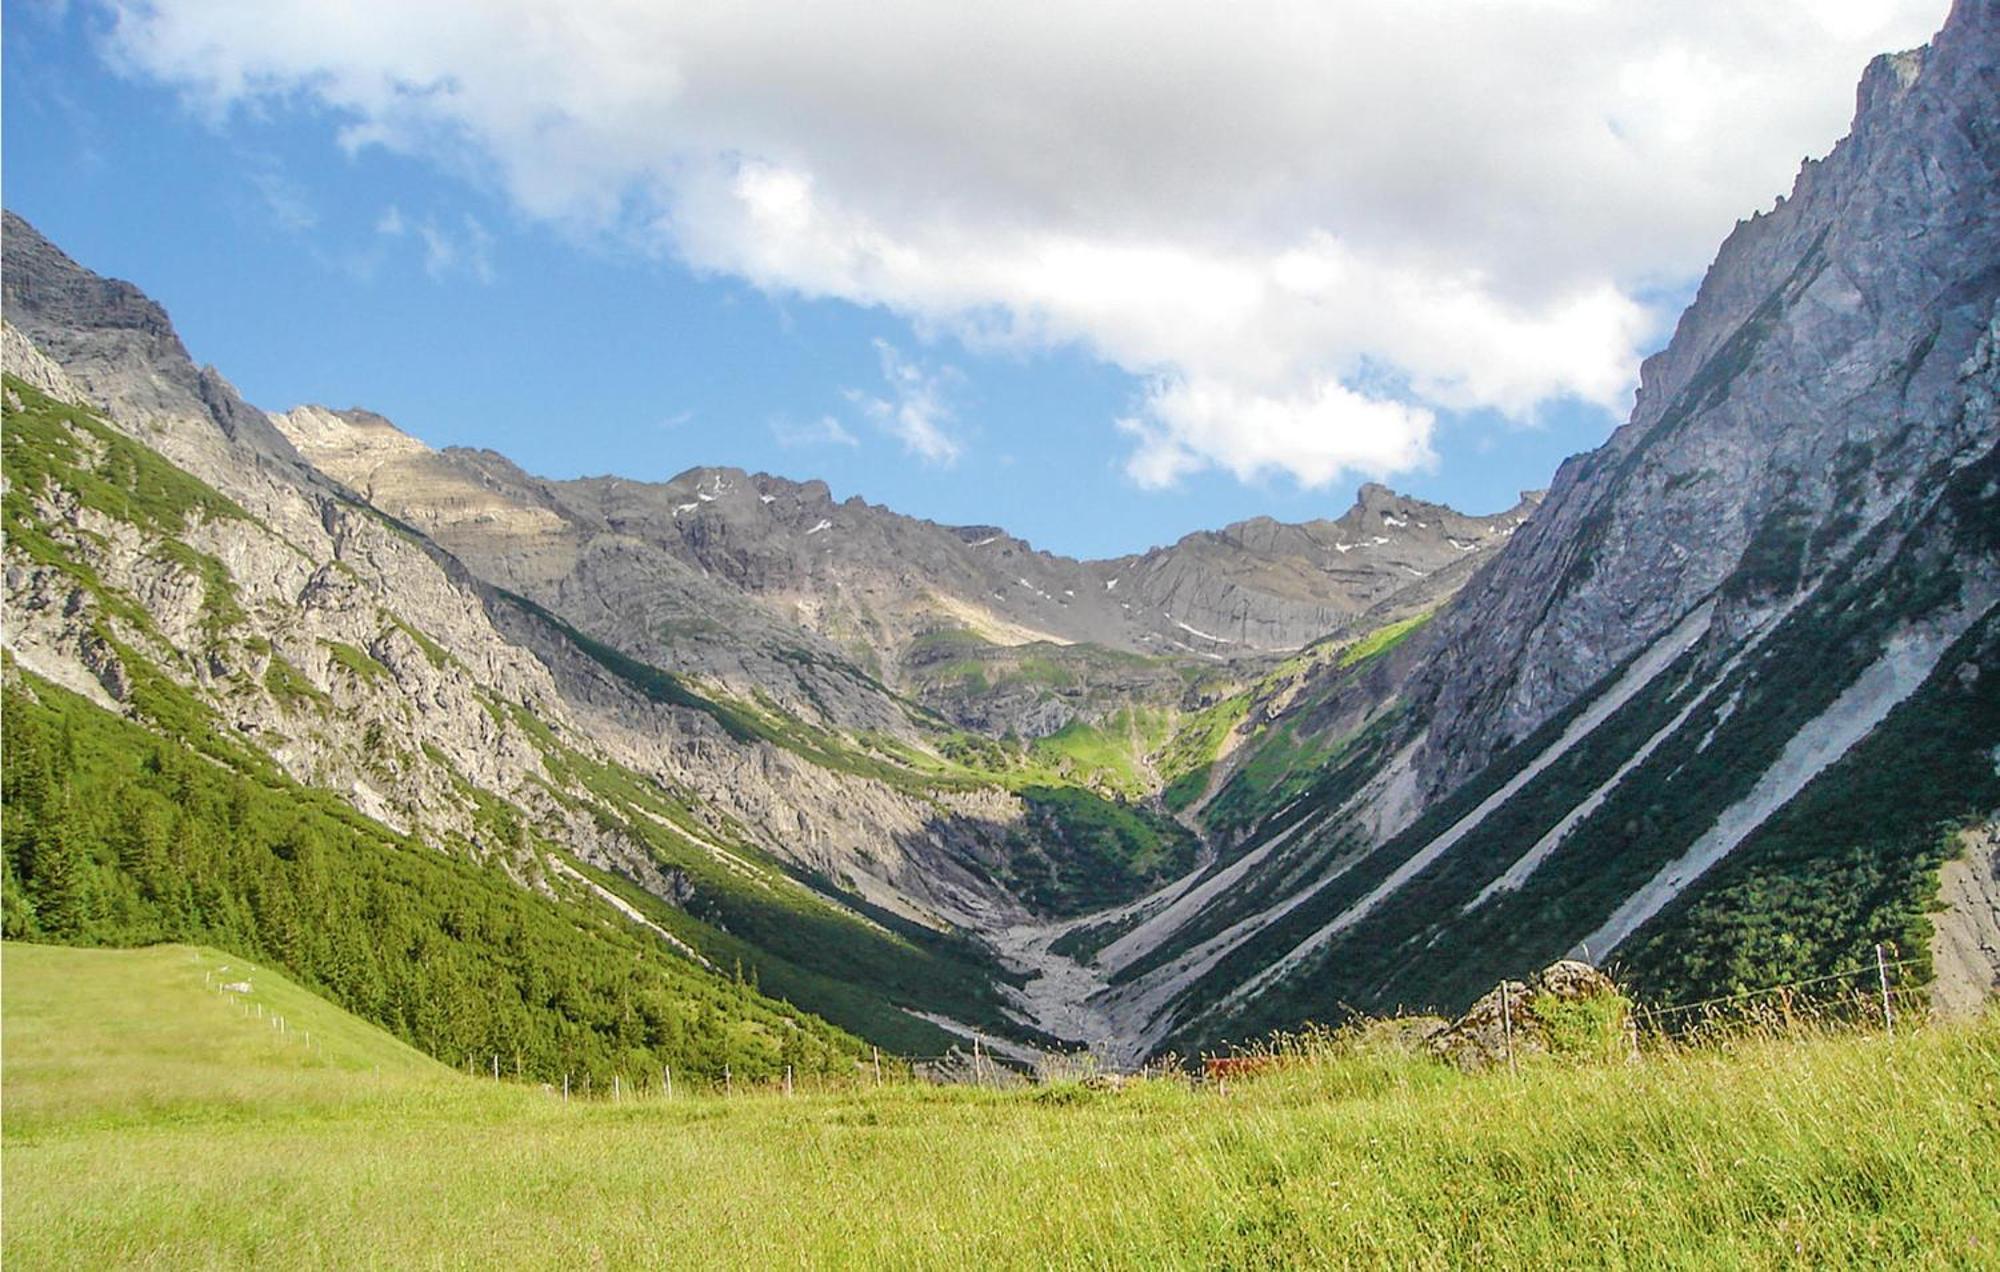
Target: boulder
{"type": "Point", "coordinates": [1568, 1009]}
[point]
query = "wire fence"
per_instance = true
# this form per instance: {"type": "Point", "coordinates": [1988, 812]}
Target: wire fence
{"type": "Point", "coordinates": [1871, 995]}
{"type": "Point", "coordinates": [1871, 990]}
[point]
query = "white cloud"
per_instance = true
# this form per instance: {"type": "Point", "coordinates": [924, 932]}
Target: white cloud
{"type": "Point", "coordinates": [1308, 227]}
{"type": "Point", "coordinates": [466, 249]}
{"type": "Point", "coordinates": [285, 201]}
{"type": "Point", "coordinates": [825, 431]}
{"type": "Point", "coordinates": [1315, 435]}
{"type": "Point", "coordinates": [915, 412]}
{"type": "Point", "coordinates": [447, 250]}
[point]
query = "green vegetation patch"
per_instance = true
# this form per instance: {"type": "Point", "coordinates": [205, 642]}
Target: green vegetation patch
{"type": "Point", "coordinates": [50, 444]}
{"type": "Point", "coordinates": [290, 687]}
{"type": "Point", "coordinates": [117, 837]}
{"type": "Point", "coordinates": [355, 661]}
{"type": "Point", "coordinates": [434, 653]}
{"type": "Point", "coordinates": [1382, 640]}
{"type": "Point", "coordinates": [1078, 851]}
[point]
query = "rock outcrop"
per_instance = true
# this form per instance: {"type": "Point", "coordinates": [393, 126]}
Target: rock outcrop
{"type": "Point", "coordinates": [865, 583]}
{"type": "Point", "coordinates": [1568, 1009]}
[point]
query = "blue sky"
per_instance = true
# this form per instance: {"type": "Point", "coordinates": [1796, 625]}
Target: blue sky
{"type": "Point", "coordinates": [321, 239]}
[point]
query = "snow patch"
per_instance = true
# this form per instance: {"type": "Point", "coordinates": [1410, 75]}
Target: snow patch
{"type": "Point", "coordinates": [1220, 640]}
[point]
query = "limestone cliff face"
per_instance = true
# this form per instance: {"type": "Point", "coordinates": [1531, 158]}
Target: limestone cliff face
{"type": "Point", "coordinates": [1813, 385]}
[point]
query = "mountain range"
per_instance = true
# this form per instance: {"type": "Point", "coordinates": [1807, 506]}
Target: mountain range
{"type": "Point", "coordinates": [1714, 708]}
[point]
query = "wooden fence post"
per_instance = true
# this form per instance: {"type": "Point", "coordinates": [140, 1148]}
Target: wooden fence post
{"type": "Point", "coordinates": [1882, 976]}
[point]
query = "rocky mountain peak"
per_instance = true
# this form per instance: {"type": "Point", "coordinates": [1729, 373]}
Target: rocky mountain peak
{"type": "Point", "coordinates": [1808, 389]}
{"type": "Point", "coordinates": [119, 347]}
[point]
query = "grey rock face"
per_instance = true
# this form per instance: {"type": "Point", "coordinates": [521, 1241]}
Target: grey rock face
{"type": "Point", "coordinates": [771, 586]}
{"type": "Point", "coordinates": [1266, 585]}
{"type": "Point", "coordinates": [1813, 385]}
{"type": "Point", "coordinates": [118, 345]}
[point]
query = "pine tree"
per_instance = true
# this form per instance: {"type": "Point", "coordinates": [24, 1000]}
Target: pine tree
{"type": "Point", "coordinates": [60, 881]}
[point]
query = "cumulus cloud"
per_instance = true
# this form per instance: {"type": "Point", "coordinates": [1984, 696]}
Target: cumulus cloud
{"type": "Point", "coordinates": [1307, 228]}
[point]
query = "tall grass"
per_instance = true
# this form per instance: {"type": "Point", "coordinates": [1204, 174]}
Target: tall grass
{"type": "Point", "coordinates": [1840, 1149]}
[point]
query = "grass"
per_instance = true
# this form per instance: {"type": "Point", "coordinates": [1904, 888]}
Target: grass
{"type": "Point", "coordinates": [1382, 640]}
{"type": "Point", "coordinates": [100, 1039]}
{"type": "Point", "coordinates": [357, 662]}
{"type": "Point", "coordinates": [1110, 754]}
{"type": "Point", "coordinates": [52, 445]}
{"type": "Point", "coordinates": [290, 686]}
{"type": "Point", "coordinates": [149, 1120]}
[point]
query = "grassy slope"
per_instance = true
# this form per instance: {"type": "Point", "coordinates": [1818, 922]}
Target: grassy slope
{"type": "Point", "coordinates": [98, 1039]}
{"type": "Point", "coordinates": [148, 1119]}
{"type": "Point", "coordinates": [1101, 847]}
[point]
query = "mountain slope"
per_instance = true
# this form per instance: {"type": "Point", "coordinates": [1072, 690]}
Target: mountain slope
{"type": "Point", "coordinates": [239, 601]}
{"type": "Point", "coordinates": [1777, 579]}
{"type": "Point", "coordinates": [1710, 710]}
{"type": "Point", "coordinates": [867, 582]}
{"type": "Point", "coordinates": [280, 626]}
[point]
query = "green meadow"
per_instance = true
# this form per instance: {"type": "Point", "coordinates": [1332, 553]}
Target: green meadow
{"type": "Point", "coordinates": [152, 1119]}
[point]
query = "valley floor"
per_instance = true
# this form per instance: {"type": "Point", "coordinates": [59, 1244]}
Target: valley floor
{"type": "Point", "coordinates": [151, 1118]}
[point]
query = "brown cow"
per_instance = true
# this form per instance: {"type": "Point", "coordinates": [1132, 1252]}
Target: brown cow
{"type": "Point", "coordinates": [1219, 1069]}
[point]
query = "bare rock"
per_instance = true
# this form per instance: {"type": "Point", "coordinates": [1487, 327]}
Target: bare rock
{"type": "Point", "coordinates": [1567, 1009]}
